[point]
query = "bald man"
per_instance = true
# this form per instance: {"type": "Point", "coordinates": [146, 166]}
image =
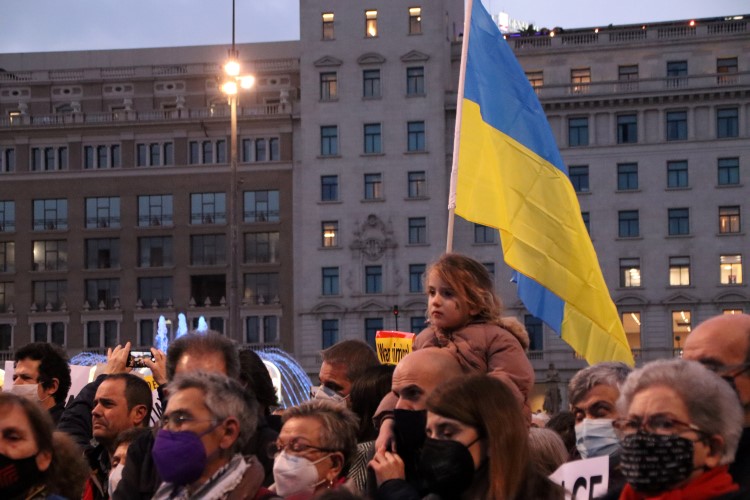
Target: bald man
{"type": "Point", "coordinates": [420, 373]}
{"type": "Point", "coordinates": [722, 343]}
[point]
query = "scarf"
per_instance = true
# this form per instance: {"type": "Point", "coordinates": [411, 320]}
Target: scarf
{"type": "Point", "coordinates": [708, 485]}
{"type": "Point", "coordinates": [219, 486]}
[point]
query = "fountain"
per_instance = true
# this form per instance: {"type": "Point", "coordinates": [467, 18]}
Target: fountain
{"type": "Point", "coordinates": [294, 383]}
{"type": "Point", "coordinates": [202, 325]}
{"type": "Point", "coordinates": [182, 327]}
{"type": "Point", "coordinates": [161, 341]}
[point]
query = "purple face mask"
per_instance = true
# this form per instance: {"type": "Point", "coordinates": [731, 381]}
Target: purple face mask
{"type": "Point", "coordinates": [180, 457]}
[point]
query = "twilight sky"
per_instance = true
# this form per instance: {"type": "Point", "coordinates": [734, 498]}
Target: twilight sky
{"type": "Point", "coordinates": [54, 25]}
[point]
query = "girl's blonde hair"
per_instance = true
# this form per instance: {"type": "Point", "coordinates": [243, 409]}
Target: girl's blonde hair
{"type": "Point", "coordinates": [472, 284]}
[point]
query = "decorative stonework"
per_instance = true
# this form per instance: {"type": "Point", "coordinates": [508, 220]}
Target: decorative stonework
{"type": "Point", "coordinates": [372, 238]}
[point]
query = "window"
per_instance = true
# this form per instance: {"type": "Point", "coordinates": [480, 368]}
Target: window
{"type": "Point", "coordinates": [679, 221]}
{"type": "Point", "coordinates": [417, 230]}
{"type": "Point", "coordinates": [51, 292]}
{"type": "Point", "coordinates": [262, 288]}
{"type": "Point", "coordinates": [372, 326]}
{"type": "Point", "coordinates": [415, 80]}
{"type": "Point", "coordinates": [208, 208]}
{"type": "Point", "coordinates": [103, 212]}
{"type": "Point", "coordinates": [7, 296]}
{"type": "Point", "coordinates": [330, 281]}
{"type": "Point", "coordinates": [416, 275]}
{"type": "Point", "coordinates": [155, 290]}
{"type": "Point", "coordinates": [417, 324]}
{"type": "Point", "coordinates": [415, 20]}
{"type": "Point", "coordinates": [208, 250]}
{"type": "Point", "coordinates": [155, 210]}
{"type": "Point", "coordinates": [7, 256]}
{"type": "Point", "coordinates": [327, 29]}
{"type": "Point", "coordinates": [726, 68]}
{"type": "Point", "coordinates": [102, 253]}
{"type": "Point", "coordinates": [155, 251]}
{"type": "Point", "coordinates": [373, 144]}
{"type": "Point", "coordinates": [373, 186]}
{"type": "Point", "coordinates": [50, 255]}
{"type": "Point", "coordinates": [50, 332]}
{"type": "Point", "coordinates": [101, 156]}
{"type": "Point", "coordinates": [536, 332]}
{"type": "Point", "coordinates": [484, 234]}
{"type": "Point", "coordinates": [329, 329]}
{"type": "Point", "coordinates": [49, 158]}
{"type": "Point", "coordinates": [101, 333]}
{"type": "Point", "coordinates": [630, 272]}
{"type": "Point", "coordinates": [731, 269]}
{"type": "Point", "coordinates": [677, 174]}
{"type": "Point", "coordinates": [371, 23]}
{"type": "Point", "coordinates": [586, 216]}
{"type": "Point", "coordinates": [330, 233]}
{"type": "Point", "coordinates": [373, 279]}
{"type": "Point", "coordinates": [328, 86]}
{"type": "Point", "coordinates": [103, 291]}
{"type": "Point", "coordinates": [154, 154]}
{"type": "Point", "coordinates": [536, 79]}
{"type": "Point", "coordinates": [578, 131]}
{"type": "Point", "coordinates": [273, 149]}
{"type": "Point", "coordinates": [329, 140]}
{"type": "Point", "coordinates": [261, 206]}
{"type": "Point", "coordinates": [7, 159]}
{"type": "Point", "coordinates": [727, 123]}
{"type": "Point", "coordinates": [679, 271]}
{"type": "Point", "coordinates": [202, 152]}
{"type": "Point", "coordinates": [580, 79]}
{"type": "Point", "coordinates": [628, 77]}
{"type": "Point", "coordinates": [50, 214]}
{"type": "Point", "coordinates": [329, 188]}
{"type": "Point", "coordinates": [631, 323]}
{"type": "Point", "coordinates": [415, 136]}
{"type": "Point", "coordinates": [729, 220]}
{"type": "Point", "coordinates": [627, 176]}
{"type": "Point", "coordinates": [7, 216]}
{"type": "Point", "coordinates": [579, 177]}
{"type": "Point", "coordinates": [262, 248]}
{"type": "Point", "coordinates": [371, 83]}
{"type": "Point", "coordinates": [490, 266]}
{"type": "Point", "coordinates": [417, 184]}
{"type": "Point", "coordinates": [676, 125]}
{"type": "Point", "coordinates": [681, 327]}
{"type": "Point", "coordinates": [627, 129]}
{"type": "Point", "coordinates": [677, 74]}
{"type": "Point", "coordinates": [628, 224]}
{"type": "Point", "coordinates": [729, 171]}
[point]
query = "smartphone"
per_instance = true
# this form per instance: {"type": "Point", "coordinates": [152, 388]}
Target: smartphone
{"type": "Point", "coordinates": [135, 358]}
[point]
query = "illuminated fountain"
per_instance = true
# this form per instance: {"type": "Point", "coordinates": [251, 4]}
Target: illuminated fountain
{"type": "Point", "coordinates": [182, 327]}
{"type": "Point", "coordinates": [161, 341]}
{"type": "Point", "coordinates": [202, 325]}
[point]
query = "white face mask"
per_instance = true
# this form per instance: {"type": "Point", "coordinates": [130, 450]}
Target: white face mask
{"type": "Point", "coordinates": [292, 474]}
{"type": "Point", "coordinates": [596, 437]}
{"type": "Point", "coordinates": [28, 391]}
{"type": "Point", "coordinates": [323, 392]}
{"type": "Point", "coordinates": [114, 478]}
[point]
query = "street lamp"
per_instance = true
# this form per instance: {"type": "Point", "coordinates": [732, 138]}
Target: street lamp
{"type": "Point", "coordinates": [229, 87]}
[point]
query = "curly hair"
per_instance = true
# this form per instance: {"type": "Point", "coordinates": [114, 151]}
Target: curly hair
{"type": "Point", "coordinates": [53, 364]}
{"type": "Point", "coordinates": [472, 284]}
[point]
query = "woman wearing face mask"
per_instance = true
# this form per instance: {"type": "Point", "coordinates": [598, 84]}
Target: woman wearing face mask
{"type": "Point", "coordinates": [36, 463]}
{"type": "Point", "coordinates": [477, 447]}
{"type": "Point", "coordinates": [315, 444]}
{"type": "Point", "coordinates": [681, 428]}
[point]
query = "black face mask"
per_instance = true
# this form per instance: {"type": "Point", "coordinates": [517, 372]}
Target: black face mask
{"type": "Point", "coordinates": [654, 463]}
{"type": "Point", "coordinates": [17, 476]}
{"type": "Point", "coordinates": [410, 435]}
{"type": "Point", "coordinates": [446, 467]}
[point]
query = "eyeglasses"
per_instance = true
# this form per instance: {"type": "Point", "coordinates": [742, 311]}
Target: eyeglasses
{"type": "Point", "coordinates": [295, 446]}
{"type": "Point", "coordinates": [728, 371]}
{"type": "Point", "coordinates": [179, 419]}
{"type": "Point", "coordinates": [656, 424]}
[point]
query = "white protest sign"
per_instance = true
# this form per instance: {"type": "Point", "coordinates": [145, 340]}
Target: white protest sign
{"type": "Point", "coordinates": [583, 479]}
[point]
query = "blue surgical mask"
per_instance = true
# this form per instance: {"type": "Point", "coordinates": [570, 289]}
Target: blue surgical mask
{"type": "Point", "coordinates": [595, 437]}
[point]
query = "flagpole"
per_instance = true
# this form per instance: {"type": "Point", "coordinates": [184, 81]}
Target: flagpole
{"type": "Point", "coordinates": [457, 128]}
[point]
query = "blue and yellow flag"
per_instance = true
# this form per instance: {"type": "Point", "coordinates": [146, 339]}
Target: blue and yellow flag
{"type": "Point", "coordinates": [510, 176]}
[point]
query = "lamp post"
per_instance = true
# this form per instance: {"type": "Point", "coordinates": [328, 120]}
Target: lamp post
{"type": "Point", "coordinates": [230, 87]}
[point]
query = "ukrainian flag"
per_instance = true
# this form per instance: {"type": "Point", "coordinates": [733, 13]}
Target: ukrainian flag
{"type": "Point", "coordinates": [510, 175]}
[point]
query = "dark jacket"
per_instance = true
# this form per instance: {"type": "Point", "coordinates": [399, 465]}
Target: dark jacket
{"type": "Point", "coordinates": [76, 419]}
{"type": "Point", "coordinates": [740, 468]}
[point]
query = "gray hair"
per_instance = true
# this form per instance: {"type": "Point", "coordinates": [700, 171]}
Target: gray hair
{"type": "Point", "coordinates": [608, 373]}
{"type": "Point", "coordinates": [210, 342]}
{"type": "Point", "coordinates": [711, 403]}
{"type": "Point", "coordinates": [339, 425]}
{"type": "Point", "coordinates": [224, 397]}
{"type": "Point", "coordinates": [547, 449]}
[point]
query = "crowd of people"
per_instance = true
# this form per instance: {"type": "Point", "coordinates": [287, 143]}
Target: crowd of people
{"type": "Point", "coordinates": [452, 420]}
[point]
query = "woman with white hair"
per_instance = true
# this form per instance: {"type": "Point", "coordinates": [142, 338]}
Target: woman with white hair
{"type": "Point", "coordinates": [681, 428]}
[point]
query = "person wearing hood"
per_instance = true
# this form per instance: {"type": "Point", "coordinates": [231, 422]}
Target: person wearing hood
{"type": "Point", "coordinates": [593, 394]}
